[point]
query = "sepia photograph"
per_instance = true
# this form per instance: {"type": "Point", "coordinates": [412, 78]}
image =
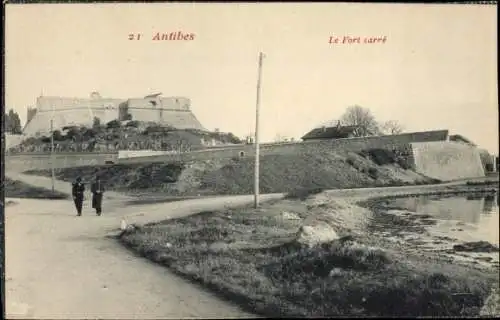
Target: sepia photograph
{"type": "Point", "coordinates": [250, 160]}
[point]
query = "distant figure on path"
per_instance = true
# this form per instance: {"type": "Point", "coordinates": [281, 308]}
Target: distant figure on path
{"type": "Point", "coordinates": [78, 192]}
{"type": "Point", "coordinates": [97, 190]}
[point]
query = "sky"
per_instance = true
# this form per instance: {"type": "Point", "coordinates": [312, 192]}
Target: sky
{"type": "Point", "coordinates": [437, 68]}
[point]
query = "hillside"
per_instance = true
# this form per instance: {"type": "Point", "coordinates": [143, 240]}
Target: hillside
{"type": "Point", "coordinates": [279, 173]}
{"type": "Point", "coordinates": [131, 135]}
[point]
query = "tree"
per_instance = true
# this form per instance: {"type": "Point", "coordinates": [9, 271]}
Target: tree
{"type": "Point", "coordinates": [96, 124]}
{"type": "Point", "coordinates": [391, 127]}
{"type": "Point", "coordinates": [362, 119]}
{"type": "Point", "coordinates": [72, 132]}
{"type": "Point", "coordinates": [233, 138]}
{"type": "Point", "coordinates": [58, 136]}
{"type": "Point", "coordinates": [113, 124]}
{"type": "Point", "coordinates": [12, 123]}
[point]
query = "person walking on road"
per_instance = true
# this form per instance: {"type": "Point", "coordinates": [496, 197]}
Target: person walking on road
{"type": "Point", "coordinates": [78, 193]}
{"type": "Point", "coordinates": [97, 190]}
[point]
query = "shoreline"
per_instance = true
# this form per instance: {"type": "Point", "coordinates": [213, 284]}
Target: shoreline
{"type": "Point", "coordinates": [434, 239]}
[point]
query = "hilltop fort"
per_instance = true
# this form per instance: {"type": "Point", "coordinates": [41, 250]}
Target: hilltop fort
{"type": "Point", "coordinates": [60, 112]}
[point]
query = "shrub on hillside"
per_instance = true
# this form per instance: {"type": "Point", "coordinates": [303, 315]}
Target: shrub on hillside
{"type": "Point", "coordinates": [133, 124]}
{"type": "Point", "coordinates": [157, 129]}
{"type": "Point", "coordinates": [380, 156]}
{"type": "Point", "coordinates": [96, 123]}
{"type": "Point", "coordinates": [88, 133]}
{"type": "Point", "coordinates": [350, 161]}
{"type": "Point", "coordinates": [373, 172]}
{"type": "Point", "coordinates": [58, 136]}
{"type": "Point", "coordinates": [386, 157]}
{"type": "Point", "coordinates": [113, 124]}
{"type": "Point", "coordinates": [72, 133]}
{"type": "Point", "coordinates": [233, 139]}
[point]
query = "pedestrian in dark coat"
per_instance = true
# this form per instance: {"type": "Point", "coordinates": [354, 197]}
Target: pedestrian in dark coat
{"type": "Point", "coordinates": [97, 190]}
{"type": "Point", "coordinates": [78, 191]}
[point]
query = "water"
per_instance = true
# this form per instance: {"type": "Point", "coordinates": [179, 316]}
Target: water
{"type": "Point", "coordinates": [478, 215]}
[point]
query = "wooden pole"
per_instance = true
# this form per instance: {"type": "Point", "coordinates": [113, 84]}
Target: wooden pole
{"type": "Point", "coordinates": [257, 151]}
{"type": "Point", "coordinates": [52, 152]}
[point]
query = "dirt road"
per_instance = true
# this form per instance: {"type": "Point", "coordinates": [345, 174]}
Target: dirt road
{"type": "Point", "coordinates": [59, 265]}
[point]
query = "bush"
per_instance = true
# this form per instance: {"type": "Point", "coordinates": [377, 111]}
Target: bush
{"type": "Point", "coordinates": [133, 124]}
{"type": "Point", "coordinates": [96, 123]}
{"type": "Point", "coordinates": [58, 136]}
{"type": "Point", "coordinates": [158, 129]}
{"type": "Point", "coordinates": [385, 157]}
{"type": "Point", "coordinates": [89, 133]}
{"type": "Point", "coordinates": [382, 156]}
{"type": "Point", "coordinates": [72, 132]}
{"type": "Point", "coordinates": [113, 124]}
{"type": "Point", "coordinates": [350, 161]}
{"type": "Point", "coordinates": [233, 139]}
{"type": "Point", "coordinates": [373, 172]}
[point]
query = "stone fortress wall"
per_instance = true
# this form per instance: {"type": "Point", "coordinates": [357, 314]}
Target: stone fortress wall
{"type": "Point", "coordinates": [69, 111]}
{"type": "Point", "coordinates": [62, 111]}
{"type": "Point", "coordinates": [447, 160]}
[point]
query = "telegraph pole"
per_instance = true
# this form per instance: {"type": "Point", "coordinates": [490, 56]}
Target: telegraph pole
{"type": "Point", "coordinates": [257, 151]}
{"type": "Point", "coordinates": [52, 148]}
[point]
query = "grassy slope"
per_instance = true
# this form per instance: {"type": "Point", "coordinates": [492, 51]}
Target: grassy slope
{"type": "Point", "coordinates": [279, 173]}
{"type": "Point", "coordinates": [18, 189]}
{"type": "Point", "coordinates": [248, 256]}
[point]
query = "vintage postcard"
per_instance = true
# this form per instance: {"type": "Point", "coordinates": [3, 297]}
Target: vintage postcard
{"type": "Point", "coordinates": [247, 160]}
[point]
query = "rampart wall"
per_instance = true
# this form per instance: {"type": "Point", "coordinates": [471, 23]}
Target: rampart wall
{"type": "Point", "coordinates": [290, 148]}
{"type": "Point", "coordinates": [430, 154]}
{"type": "Point", "coordinates": [447, 160]}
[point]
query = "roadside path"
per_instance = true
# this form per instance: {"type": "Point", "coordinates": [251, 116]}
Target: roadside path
{"type": "Point", "coordinates": [61, 266]}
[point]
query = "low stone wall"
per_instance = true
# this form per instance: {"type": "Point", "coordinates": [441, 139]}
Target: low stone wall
{"type": "Point", "coordinates": [353, 145]}
{"type": "Point", "coordinates": [447, 160]}
{"type": "Point", "coordinates": [125, 154]}
{"type": "Point", "coordinates": [24, 162]}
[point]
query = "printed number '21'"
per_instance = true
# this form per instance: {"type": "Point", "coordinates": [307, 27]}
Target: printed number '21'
{"type": "Point", "coordinates": [134, 36]}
